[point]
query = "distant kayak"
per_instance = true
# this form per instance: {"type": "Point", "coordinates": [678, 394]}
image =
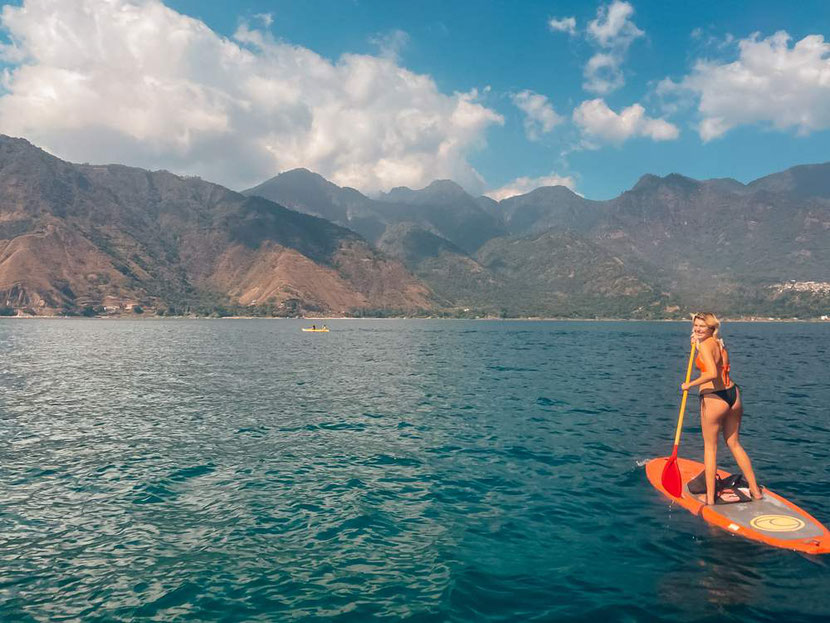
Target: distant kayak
{"type": "Point", "coordinates": [316, 330]}
{"type": "Point", "coordinates": [771, 520]}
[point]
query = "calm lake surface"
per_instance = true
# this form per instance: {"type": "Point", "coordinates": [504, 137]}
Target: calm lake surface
{"type": "Point", "coordinates": [417, 470]}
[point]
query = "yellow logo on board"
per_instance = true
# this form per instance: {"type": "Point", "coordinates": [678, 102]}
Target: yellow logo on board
{"type": "Point", "coordinates": [777, 523]}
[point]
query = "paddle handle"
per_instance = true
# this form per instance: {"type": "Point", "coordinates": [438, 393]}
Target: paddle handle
{"type": "Point", "coordinates": [683, 402]}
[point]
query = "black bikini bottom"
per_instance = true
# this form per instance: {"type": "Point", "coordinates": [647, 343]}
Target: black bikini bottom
{"type": "Point", "coordinates": [729, 396]}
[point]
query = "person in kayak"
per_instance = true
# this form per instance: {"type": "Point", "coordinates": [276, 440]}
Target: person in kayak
{"type": "Point", "coordinates": [720, 403]}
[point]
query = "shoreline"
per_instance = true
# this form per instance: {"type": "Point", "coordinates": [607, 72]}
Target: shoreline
{"type": "Point", "coordinates": [152, 318]}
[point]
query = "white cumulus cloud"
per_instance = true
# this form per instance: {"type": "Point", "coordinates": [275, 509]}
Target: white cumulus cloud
{"type": "Point", "coordinates": [540, 117]}
{"type": "Point", "coordinates": [603, 73]}
{"type": "Point", "coordinates": [771, 83]}
{"type": "Point", "coordinates": [612, 32]}
{"type": "Point", "coordinates": [522, 185]}
{"type": "Point", "coordinates": [564, 24]}
{"type": "Point", "coordinates": [134, 81]}
{"type": "Point", "coordinates": [599, 123]}
{"type": "Point", "coordinates": [613, 27]}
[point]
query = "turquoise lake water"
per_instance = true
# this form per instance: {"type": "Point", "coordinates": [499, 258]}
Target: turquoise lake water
{"type": "Point", "coordinates": [400, 470]}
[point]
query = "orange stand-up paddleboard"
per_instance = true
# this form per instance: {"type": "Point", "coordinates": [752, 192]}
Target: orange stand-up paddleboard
{"type": "Point", "coordinates": [772, 520]}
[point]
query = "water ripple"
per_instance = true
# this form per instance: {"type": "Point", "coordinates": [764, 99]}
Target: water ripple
{"type": "Point", "coordinates": [392, 470]}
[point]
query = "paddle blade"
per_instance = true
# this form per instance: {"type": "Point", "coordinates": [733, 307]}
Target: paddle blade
{"type": "Point", "coordinates": [671, 480]}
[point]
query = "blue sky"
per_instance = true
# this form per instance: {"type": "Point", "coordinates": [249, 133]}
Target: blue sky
{"type": "Point", "coordinates": [485, 93]}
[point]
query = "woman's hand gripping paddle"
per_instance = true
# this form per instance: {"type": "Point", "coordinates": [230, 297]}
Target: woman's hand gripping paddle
{"type": "Point", "coordinates": [672, 482]}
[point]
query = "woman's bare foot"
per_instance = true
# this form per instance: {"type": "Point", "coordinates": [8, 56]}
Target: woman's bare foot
{"type": "Point", "coordinates": [702, 499]}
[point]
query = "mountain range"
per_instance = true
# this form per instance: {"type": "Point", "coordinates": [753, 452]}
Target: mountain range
{"type": "Point", "coordinates": [92, 239]}
{"type": "Point", "coordinates": [88, 239]}
{"type": "Point", "coordinates": [670, 242]}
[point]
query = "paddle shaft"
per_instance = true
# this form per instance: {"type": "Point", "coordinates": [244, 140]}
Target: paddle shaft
{"type": "Point", "coordinates": [683, 402]}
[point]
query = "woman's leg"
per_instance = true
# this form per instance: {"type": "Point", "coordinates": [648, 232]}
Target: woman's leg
{"type": "Point", "coordinates": [712, 412]}
{"type": "Point", "coordinates": [731, 434]}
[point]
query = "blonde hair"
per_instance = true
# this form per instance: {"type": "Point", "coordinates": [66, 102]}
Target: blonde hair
{"type": "Point", "coordinates": [711, 321]}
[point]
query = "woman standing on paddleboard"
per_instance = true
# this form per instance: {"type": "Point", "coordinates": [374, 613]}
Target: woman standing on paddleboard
{"type": "Point", "coordinates": [720, 403]}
